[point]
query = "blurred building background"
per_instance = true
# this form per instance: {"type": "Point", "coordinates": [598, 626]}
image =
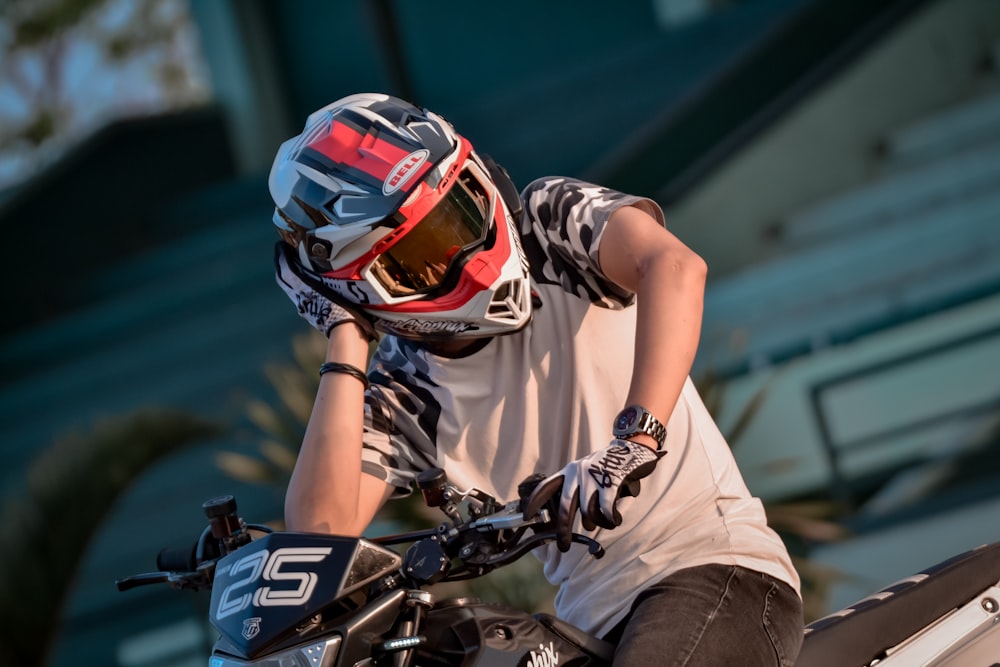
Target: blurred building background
{"type": "Point", "coordinates": [837, 163]}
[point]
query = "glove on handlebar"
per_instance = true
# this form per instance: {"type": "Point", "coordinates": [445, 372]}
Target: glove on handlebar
{"type": "Point", "coordinates": [593, 485]}
{"type": "Point", "coordinates": [314, 301]}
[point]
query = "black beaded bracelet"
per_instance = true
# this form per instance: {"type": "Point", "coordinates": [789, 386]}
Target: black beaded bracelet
{"type": "Point", "coordinates": [346, 369]}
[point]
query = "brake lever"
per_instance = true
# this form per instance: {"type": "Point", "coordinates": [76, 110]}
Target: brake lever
{"type": "Point", "coordinates": [594, 548]}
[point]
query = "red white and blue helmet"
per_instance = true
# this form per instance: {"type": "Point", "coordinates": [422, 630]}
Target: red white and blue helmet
{"type": "Point", "coordinates": [399, 215]}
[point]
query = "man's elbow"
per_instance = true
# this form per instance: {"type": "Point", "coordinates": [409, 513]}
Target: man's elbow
{"type": "Point", "coordinates": [695, 266]}
{"type": "Point", "coordinates": [680, 265]}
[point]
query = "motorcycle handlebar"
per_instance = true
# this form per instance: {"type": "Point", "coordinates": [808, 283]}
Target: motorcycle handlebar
{"type": "Point", "coordinates": [193, 566]}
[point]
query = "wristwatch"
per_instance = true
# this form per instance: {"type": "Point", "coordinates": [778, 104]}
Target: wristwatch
{"type": "Point", "coordinates": [636, 419]}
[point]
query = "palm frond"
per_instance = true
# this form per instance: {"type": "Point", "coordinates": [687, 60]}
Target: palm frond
{"type": "Point", "coordinates": [46, 528]}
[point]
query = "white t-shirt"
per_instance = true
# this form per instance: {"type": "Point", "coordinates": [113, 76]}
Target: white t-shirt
{"type": "Point", "coordinates": [535, 400]}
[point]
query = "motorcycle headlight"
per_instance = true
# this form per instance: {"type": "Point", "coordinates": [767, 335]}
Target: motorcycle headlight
{"type": "Point", "coordinates": [312, 654]}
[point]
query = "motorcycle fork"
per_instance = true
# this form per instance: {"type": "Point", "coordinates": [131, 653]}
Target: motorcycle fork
{"type": "Point", "coordinates": [398, 652]}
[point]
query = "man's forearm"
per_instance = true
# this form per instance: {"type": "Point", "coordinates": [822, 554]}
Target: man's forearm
{"type": "Point", "coordinates": [326, 492]}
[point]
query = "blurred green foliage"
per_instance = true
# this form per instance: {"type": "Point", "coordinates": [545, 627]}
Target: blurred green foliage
{"type": "Point", "coordinates": [46, 527]}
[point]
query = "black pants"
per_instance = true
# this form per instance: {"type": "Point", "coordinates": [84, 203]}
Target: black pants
{"type": "Point", "coordinates": [712, 615]}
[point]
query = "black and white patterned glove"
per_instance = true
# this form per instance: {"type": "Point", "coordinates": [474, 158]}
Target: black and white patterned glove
{"type": "Point", "coordinates": [593, 485]}
{"type": "Point", "coordinates": [314, 301]}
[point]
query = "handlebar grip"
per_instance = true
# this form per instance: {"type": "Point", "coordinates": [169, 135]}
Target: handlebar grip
{"type": "Point", "coordinates": [177, 559]}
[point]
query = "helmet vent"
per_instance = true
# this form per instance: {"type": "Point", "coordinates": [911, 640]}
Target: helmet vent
{"type": "Point", "coordinates": [505, 302]}
{"type": "Point", "coordinates": [315, 215]}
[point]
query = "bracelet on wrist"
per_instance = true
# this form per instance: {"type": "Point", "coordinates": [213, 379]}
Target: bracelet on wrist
{"type": "Point", "coordinates": [346, 369]}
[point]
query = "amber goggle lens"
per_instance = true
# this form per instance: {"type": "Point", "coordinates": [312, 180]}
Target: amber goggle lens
{"type": "Point", "coordinates": [451, 231]}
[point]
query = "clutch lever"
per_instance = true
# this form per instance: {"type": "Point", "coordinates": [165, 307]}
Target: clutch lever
{"type": "Point", "coordinates": [137, 580]}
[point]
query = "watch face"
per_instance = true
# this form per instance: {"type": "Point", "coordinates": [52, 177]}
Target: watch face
{"type": "Point", "coordinates": [626, 419]}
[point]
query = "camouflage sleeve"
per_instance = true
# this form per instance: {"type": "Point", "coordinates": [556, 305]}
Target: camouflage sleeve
{"type": "Point", "coordinates": [401, 415]}
{"type": "Point", "coordinates": [561, 228]}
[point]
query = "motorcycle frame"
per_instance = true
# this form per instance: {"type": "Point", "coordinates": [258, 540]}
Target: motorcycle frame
{"type": "Point", "coordinates": [965, 636]}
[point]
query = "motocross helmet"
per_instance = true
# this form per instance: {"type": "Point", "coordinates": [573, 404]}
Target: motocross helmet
{"type": "Point", "coordinates": [398, 214]}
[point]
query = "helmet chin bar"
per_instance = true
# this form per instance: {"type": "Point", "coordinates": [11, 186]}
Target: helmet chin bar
{"type": "Point", "coordinates": [417, 328]}
{"type": "Point", "coordinates": [505, 310]}
{"type": "Point", "coordinates": [440, 334]}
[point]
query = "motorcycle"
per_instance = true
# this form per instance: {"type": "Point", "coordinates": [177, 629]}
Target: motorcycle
{"type": "Point", "coordinates": [284, 599]}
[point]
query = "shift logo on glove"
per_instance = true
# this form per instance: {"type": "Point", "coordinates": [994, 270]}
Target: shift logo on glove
{"type": "Point", "coordinates": [310, 307]}
{"type": "Point", "coordinates": [615, 464]}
